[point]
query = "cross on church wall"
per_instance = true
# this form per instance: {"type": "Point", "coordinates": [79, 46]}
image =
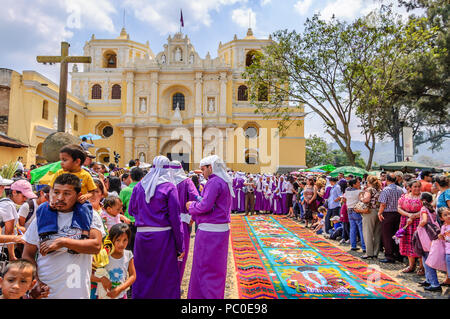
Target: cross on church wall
{"type": "Point", "coordinates": [64, 59]}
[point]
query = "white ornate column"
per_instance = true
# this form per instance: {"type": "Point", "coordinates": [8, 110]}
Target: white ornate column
{"type": "Point", "coordinates": [128, 149]}
{"type": "Point", "coordinates": [152, 144]}
{"type": "Point", "coordinates": [86, 89]}
{"type": "Point", "coordinates": [154, 96]}
{"type": "Point", "coordinates": [223, 98]}
{"type": "Point", "coordinates": [198, 94]}
{"type": "Point", "coordinates": [130, 87]}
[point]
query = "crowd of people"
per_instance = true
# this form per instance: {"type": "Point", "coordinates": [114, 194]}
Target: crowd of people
{"type": "Point", "coordinates": [399, 214]}
{"type": "Point", "coordinates": [97, 231]}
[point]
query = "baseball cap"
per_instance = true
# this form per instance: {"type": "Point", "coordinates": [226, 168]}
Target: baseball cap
{"type": "Point", "coordinates": [24, 187]}
{"type": "Point", "coordinates": [89, 154]}
{"type": "Point", "coordinates": [5, 182]}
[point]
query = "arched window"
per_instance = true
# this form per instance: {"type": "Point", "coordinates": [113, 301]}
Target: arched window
{"type": "Point", "coordinates": [96, 92]}
{"type": "Point", "coordinates": [45, 110]}
{"type": "Point", "coordinates": [178, 99]}
{"type": "Point", "coordinates": [75, 122]}
{"type": "Point", "coordinates": [263, 93]}
{"type": "Point", "coordinates": [242, 93]}
{"type": "Point", "coordinates": [249, 58]}
{"type": "Point", "coordinates": [116, 92]}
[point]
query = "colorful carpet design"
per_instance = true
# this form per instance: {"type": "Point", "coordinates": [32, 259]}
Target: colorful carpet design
{"type": "Point", "coordinates": [276, 258]}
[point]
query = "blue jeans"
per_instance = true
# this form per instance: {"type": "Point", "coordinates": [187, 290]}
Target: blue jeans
{"type": "Point", "coordinates": [355, 228]}
{"type": "Point", "coordinates": [430, 273]}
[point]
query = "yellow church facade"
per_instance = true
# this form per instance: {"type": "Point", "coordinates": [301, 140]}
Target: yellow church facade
{"type": "Point", "coordinates": [173, 103]}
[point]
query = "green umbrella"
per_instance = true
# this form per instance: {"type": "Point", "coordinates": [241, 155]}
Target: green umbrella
{"type": "Point", "coordinates": [406, 166]}
{"type": "Point", "coordinates": [40, 172]}
{"type": "Point", "coordinates": [356, 171]}
{"type": "Point", "coordinates": [326, 168]}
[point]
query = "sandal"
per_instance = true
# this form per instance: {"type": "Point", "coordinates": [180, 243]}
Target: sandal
{"type": "Point", "coordinates": [421, 272]}
{"type": "Point", "coordinates": [408, 270]}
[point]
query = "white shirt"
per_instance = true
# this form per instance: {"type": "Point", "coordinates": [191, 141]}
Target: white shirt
{"type": "Point", "coordinates": [118, 270]}
{"type": "Point", "coordinates": [352, 197]}
{"type": "Point", "coordinates": [67, 275]}
{"type": "Point", "coordinates": [23, 212]}
{"type": "Point", "coordinates": [8, 212]}
{"type": "Point", "coordinates": [289, 188]}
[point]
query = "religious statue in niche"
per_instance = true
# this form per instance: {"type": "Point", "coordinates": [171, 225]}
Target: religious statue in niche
{"type": "Point", "coordinates": [142, 157]}
{"type": "Point", "coordinates": [163, 59]}
{"type": "Point", "coordinates": [211, 105]}
{"type": "Point", "coordinates": [178, 55]}
{"type": "Point", "coordinates": [75, 68]}
{"type": "Point", "coordinates": [142, 105]}
{"type": "Point", "coordinates": [191, 59]}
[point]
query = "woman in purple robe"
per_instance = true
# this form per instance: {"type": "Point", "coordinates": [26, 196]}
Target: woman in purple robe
{"type": "Point", "coordinates": [239, 199]}
{"type": "Point", "coordinates": [212, 213]}
{"type": "Point", "coordinates": [259, 195]}
{"type": "Point", "coordinates": [159, 238]}
{"type": "Point", "coordinates": [276, 202]}
{"type": "Point", "coordinates": [283, 193]}
{"type": "Point", "coordinates": [186, 192]}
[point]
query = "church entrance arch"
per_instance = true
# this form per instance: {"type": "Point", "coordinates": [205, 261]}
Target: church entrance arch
{"type": "Point", "coordinates": [177, 150]}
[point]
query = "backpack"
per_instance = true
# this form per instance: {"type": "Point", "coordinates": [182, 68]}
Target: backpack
{"type": "Point", "coordinates": [30, 210]}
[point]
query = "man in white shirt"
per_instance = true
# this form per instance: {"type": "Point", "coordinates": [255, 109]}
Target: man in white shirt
{"type": "Point", "coordinates": [64, 261]}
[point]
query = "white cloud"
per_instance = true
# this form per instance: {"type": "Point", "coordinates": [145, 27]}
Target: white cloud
{"type": "Point", "coordinates": [164, 16]}
{"type": "Point", "coordinates": [346, 9]}
{"type": "Point", "coordinates": [95, 14]}
{"type": "Point", "coordinates": [241, 17]}
{"type": "Point", "coordinates": [303, 6]}
{"type": "Point", "coordinates": [265, 2]}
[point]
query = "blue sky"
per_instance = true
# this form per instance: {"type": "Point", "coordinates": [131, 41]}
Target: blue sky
{"type": "Point", "coordinates": [36, 27]}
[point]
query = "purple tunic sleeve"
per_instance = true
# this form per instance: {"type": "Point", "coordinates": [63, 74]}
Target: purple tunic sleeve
{"type": "Point", "coordinates": [210, 193]}
{"type": "Point", "coordinates": [174, 218]}
{"type": "Point", "coordinates": [132, 209]}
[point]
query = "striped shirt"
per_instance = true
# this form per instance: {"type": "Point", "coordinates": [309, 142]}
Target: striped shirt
{"type": "Point", "coordinates": [390, 196]}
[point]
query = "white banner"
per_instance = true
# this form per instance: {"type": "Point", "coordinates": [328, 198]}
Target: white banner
{"type": "Point", "coordinates": [408, 150]}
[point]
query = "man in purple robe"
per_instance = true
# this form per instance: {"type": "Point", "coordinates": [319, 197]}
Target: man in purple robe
{"type": "Point", "coordinates": [212, 214]}
{"type": "Point", "coordinates": [159, 238]}
{"type": "Point", "coordinates": [259, 194]}
{"type": "Point", "coordinates": [276, 202]}
{"type": "Point", "coordinates": [186, 192]}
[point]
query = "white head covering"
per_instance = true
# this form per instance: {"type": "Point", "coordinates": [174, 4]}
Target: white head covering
{"type": "Point", "coordinates": [219, 169]}
{"type": "Point", "coordinates": [176, 172]}
{"type": "Point", "coordinates": [159, 173]}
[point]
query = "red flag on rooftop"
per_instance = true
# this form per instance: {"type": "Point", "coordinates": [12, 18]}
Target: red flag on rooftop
{"type": "Point", "coordinates": [181, 19]}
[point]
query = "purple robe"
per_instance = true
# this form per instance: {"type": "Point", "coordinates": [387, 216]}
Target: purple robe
{"type": "Point", "coordinates": [267, 205]}
{"type": "Point", "coordinates": [209, 264]}
{"type": "Point", "coordinates": [239, 199]}
{"type": "Point", "coordinates": [276, 202]}
{"type": "Point", "coordinates": [259, 200]}
{"type": "Point", "coordinates": [186, 193]}
{"type": "Point", "coordinates": [234, 201]}
{"type": "Point", "coordinates": [155, 253]}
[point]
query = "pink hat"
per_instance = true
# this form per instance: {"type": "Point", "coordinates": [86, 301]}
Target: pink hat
{"type": "Point", "coordinates": [24, 187]}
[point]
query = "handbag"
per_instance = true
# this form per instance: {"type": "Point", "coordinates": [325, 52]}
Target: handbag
{"type": "Point", "coordinates": [361, 207]}
{"type": "Point", "coordinates": [436, 257]}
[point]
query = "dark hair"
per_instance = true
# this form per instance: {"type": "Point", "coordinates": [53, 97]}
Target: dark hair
{"type": "Point", "coordinates": [343, 185]}
{"type": "Point", "coordinates": [391, 178]}
{"type": "Point", "coordinates": [110, 201]}
{"type": "Point", "coordinates": [84, 139]}
{"type": "Point", "coordinates": [32, 167]}
{"type": "Point", "coordinates": [21, 264]}
{"type": "Point", "coordinates": [111, 166]}
{"type": "Point", "coordinates": [68, 179]}
{"type": "Point", "coordinates": [99, 184]}
{"type": "Point", "coordinates": [412, 182]}
{"type": "Point", "coordinates": [45, 189]}
{"type": "Point", "coordinates": [407, 177]}
{"type": "Point", "coordinates": [427, 199]}
{"type": "Point", "coordinates": [131, 163]}
{"type": "Point", "coordinates": [351, 176]}
{"type": "Point", "coordinates": [352, 182]}
{"type": "Point", "coordinates": [442, 180]}
{"type": "Point", "coordinates": [124, 176]}
{"type": "Point", "coordinates": [136, 174]}
{"type": "Point", "coordinates": [333, 179]}
{"type": "Point", "coordinates": [195, 180]}
{"type": "Point", "coordinates": [93, 164]}
{"type": "Point", "coordinates": [441, 210]}
{"type": "Point", "coordinates": [425, 173]}
{"type": "Point", "coordinates": [119, 229]}
{"type": "Point", "coordinates": [75, 151]}
{"type": "Point", "coordinates": [359, 178]}
{"type": "Point", "coordinates": [114, 184]}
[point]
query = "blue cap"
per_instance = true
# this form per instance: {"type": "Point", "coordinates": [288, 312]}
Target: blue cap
{"type": "Point", "coordinates": [320, 215]}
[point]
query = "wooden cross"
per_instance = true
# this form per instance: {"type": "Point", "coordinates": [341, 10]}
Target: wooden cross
{"type": "Point", "coordinates": [64, 59]}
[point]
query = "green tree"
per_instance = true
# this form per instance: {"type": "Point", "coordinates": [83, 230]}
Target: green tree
{"type": "Point", "coordinates": [313, 70]}
{"type": "Point", "coordinates": [317, 151]}
{"type": "Point", "coordinates": [339, 158]}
